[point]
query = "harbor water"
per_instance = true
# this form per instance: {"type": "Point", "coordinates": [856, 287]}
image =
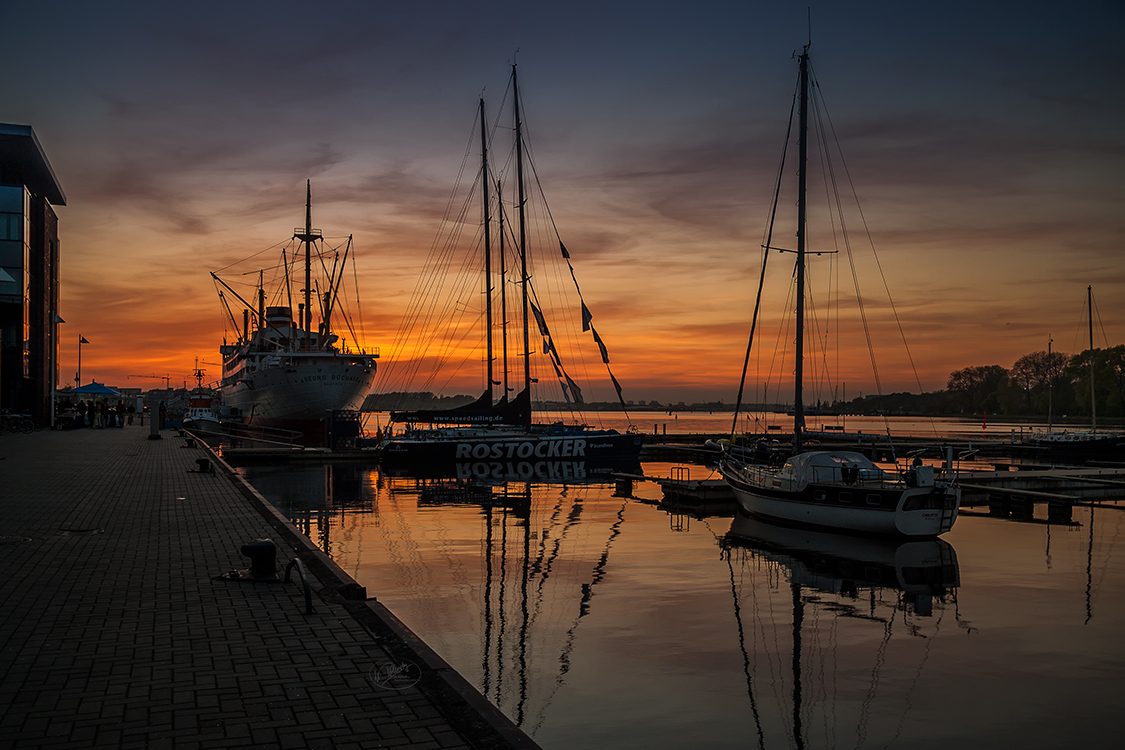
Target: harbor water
{"type": "Point", "coordinates": [670, 423]}
{"type": "Point", "coordinates": [595, 616]}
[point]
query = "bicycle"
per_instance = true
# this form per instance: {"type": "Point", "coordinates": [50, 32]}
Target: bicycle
{"type": "Point", "coordinates": [18, 423]}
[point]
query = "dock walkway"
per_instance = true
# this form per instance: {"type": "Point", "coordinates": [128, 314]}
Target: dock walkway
{"type": "Point", "coordinates": [119, 630]}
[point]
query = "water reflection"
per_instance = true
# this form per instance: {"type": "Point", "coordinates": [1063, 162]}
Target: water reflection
{"type": "Point", "coordinates": [599, 616]}
{"type": "Point", "coordinates": [842, 591]}
{"type": "Point", "coordinates": [561, 470]}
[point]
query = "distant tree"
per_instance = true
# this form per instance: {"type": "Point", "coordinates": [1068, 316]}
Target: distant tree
{"type": "Point", "coordinates": [978, 388]}
{"type": "Point", "coordinates": [1025, 373]}
{"type": "Point", "coordinates": [1115, 372]}
{"type": "Point", "coordinates": [1109, 380]}
{"type": "Point", "coordinates": [1037, 372]}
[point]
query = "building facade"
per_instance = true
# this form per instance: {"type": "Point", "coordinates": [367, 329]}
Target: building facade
{"type": "Point", "coordinates": [29, 273]}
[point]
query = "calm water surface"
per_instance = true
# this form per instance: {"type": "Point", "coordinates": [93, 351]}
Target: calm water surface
{"type": "Point", "coordinates": [596, 620]}
{"type": "Point", "coordinates": [980, 426]}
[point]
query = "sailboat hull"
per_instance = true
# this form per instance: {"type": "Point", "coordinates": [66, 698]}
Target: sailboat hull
{"type": "Point", "coordinates": [883, 510]}
{"type": "Point", "coordinates": [1078, 446]}
{"type": "Point", "coordinates": [488, 452]}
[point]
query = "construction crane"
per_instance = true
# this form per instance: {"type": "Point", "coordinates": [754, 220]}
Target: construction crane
{"type": "Point", "coordinates": [165, 378]}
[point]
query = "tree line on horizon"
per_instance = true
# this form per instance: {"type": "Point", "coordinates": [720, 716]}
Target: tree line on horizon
{"type": "Point", "coordinates": [1035, 384]}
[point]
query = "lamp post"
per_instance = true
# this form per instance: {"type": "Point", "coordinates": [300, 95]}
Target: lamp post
{"type": "Point", "coordinates": [54, 358]}
{"type": "Point", "coordinates": [78, 377]}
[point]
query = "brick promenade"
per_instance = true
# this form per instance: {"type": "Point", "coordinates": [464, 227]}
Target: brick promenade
{"type": "Point", "coordinates": [114, 631]}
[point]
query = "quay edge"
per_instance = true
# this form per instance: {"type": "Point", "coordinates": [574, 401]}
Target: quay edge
{"type": "Point", "coordinates": [464, 707]}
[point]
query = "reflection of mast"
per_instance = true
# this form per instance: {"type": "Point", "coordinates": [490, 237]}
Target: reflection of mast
{"type": "Point", "coordinates": [1090, 568]}
{"type": "Point", "coordinates": [818, 563]}
{"type": "Point", "coordinates": [745, 656]}
{"type": "Point", "coordinates": [583, 610]}
{"type": "Point", "coordinates": [524, 614]}
{"type": "Point", "coordinates": [487, 659]}
{"type": "Point", "coordinates": [798, 618]}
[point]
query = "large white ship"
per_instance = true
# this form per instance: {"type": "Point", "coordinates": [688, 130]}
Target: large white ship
{"type": "Point", "coordinates": [287, 373]}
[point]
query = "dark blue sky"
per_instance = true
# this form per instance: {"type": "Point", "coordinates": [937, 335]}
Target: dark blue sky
{"type": "Point", "coordinates": [986, 140]}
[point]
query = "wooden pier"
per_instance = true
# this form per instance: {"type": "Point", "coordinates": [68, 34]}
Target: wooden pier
{"type": "Point", "coordinates": [1015, 494]}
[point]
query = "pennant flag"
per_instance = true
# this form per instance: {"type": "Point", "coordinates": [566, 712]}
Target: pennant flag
{"type": "Point", "coordinates": [618, 387]}
{"type": "Point", "coordinates": [587, 316]}
{"type": "Point", "coordinates": [539, 319]}
{"type": "Point", "coordinates": [575, 390]}
{"type": "Point", "coordinates": [82, 340]}
{"type": "Point", "coordinates": [598, 339]}
{"type": "Point", "coordinates": [564, 252]}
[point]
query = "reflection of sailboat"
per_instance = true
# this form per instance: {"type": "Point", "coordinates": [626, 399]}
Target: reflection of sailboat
{"type": "Point", "coordinates": [490, 432]}
{"type": "Point", "coordinates": [837, 563]}
{"type": "Point", "coordinates": [560, 470]}
{"type": "Point", "coordinates": [841, 490]}
{"type": "Point", "coordinates": [842, 590]}
{"type": "Point", "coordinates": [538, 572]}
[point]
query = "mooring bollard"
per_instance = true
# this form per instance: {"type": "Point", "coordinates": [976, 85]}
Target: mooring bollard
{"type": "Point", "coordinates": [204, 465]}
{"type": "Point", "coordinates": [263, 558]}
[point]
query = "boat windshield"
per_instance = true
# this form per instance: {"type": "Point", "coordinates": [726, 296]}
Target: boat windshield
{"type": "Point", "coordinates": [831, 466]}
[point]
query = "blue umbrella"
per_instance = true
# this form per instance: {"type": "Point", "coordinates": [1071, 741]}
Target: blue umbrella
{"type": "Point", "coordinates": [95, 389]}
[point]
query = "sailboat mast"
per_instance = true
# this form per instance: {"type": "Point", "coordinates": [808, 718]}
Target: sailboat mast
{"type": "Point", "coordinates": [1093, 400]}
{"type": "Point", "coordinates": [487, 247]}
{"type": "Point", "coordinates": [308, 264]}
{"type": "Point", "coordinates": [523, 233]}
{"type": "Point", "coordinates": [503, 289]}
{"type": "Point", "coordinates": [1050, 382]}
{"type": "Point", "coordinates": [802, 157]}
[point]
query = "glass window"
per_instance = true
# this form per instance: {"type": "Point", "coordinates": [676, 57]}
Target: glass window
{"type": "Point", "coordinates": [13, 200]}
{"type": "Point", "coordinates": [11, 254]}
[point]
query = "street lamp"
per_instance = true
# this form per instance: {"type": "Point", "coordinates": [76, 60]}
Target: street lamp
{"type": "Point", "coordinates": [54, 358]}
{"type": "Point", "coordinates": [78, 378]}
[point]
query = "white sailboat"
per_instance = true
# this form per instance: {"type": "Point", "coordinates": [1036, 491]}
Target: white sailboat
{"type": "Point", "coordinates": [835, 489]}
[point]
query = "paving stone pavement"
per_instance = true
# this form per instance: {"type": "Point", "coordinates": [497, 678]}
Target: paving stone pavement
{"type": "Point", "coordinates": [116, 629]}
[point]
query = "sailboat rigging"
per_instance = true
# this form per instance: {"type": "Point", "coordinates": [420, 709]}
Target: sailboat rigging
{"type": "Point", "coordinates": [838, 489]}
{"type": "Point", "coordinates": [1081, 445]}
{"type": "Point", "coordinates": [489, 432]}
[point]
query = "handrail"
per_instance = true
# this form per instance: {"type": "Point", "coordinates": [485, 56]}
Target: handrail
{"type": "Point", "coordinates": [304, 581]}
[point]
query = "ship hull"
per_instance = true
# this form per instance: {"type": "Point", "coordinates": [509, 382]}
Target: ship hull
{"type": "Point", "coordinates": [299, 393]}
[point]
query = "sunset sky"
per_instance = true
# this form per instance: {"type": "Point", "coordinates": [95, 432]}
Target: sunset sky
{"type": "Point", "coordinates": [986, 142]}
